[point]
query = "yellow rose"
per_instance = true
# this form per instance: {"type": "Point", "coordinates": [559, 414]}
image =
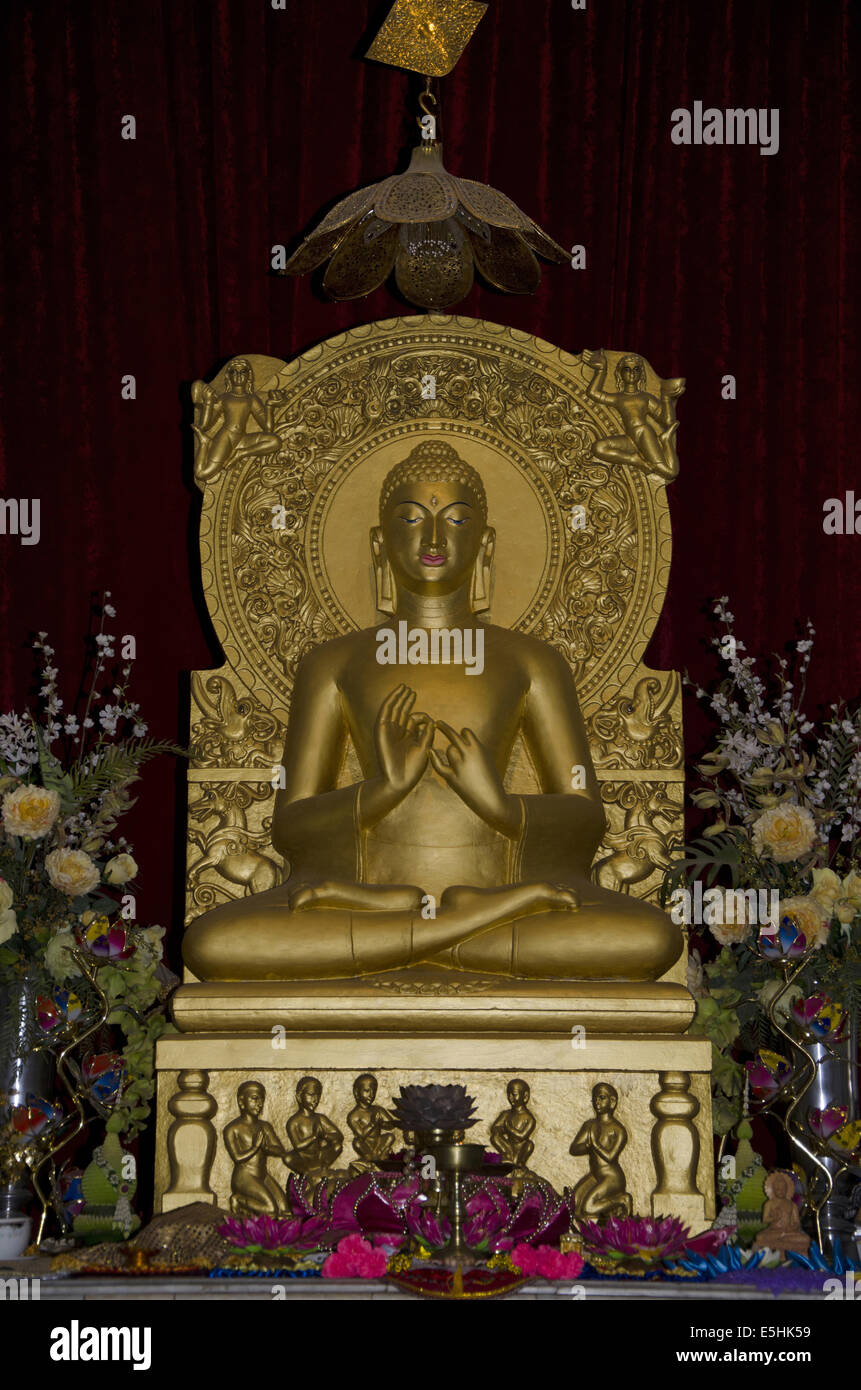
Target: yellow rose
{"type": "Point", "coordinates": [8, 925]}
{"type": "Point", "coordinates": [30, 811]}
{"type": "Point", "coordinates": [852, 888]}
{"type": "Point", "coordinates": [785, 832]}
{"type": "Point", "coordinates": [809, 916]}
{"type": "Point", "coordinates": [7, 897]}
{"type": "Point", "coordinates": [826, 889]}
{"type": "Point", "coordinates": [120, 869]}
{"type": "Point", "coordinates": [728, 920]}
{"type": "Point", "coordinates": [58, 960]}
{"type": "Point", "coordinates": [72, 871]}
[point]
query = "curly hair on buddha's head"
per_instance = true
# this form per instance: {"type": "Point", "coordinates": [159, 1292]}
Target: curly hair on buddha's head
{"type": "Point", "coordinates": [434, 461]}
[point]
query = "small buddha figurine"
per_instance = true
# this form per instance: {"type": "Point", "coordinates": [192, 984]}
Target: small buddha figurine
{"type": "Point", "coordinates": [783, 1223]}
{"type": "Point", "coordinates": [250, 1142]}
{"type": "Point", "coordinates": [374, 1129]}
{"type": "Point", "coordinates": [511, 1130]}
{"type": "Point", "coordinates": [317, 1142]}
{"type": "Point", "coordinates": [431, 814]}
{"type": "Point", "coordinates": [601, 1192]}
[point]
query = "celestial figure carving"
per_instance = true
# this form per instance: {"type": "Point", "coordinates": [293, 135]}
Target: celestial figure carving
{"type": "Point", "coordinates": [374, 1129]}
{"type": "Point", "coordinates": [316, 1141]}
{"type": "Point", "coordinates": [783, 1223]}
{"type": "Point", "coordinates": [221, 421]}
{"type": "Point", "coordinates": [642, 444]}
{"type": "Point", "coordinates": [511, 1130]}
{"type": "Point", "coordinates": [601, 1192]}
{"type": "Point", "coordinates": [251, 1141]}
{"type": "Point", "coordinates": [509, 874]}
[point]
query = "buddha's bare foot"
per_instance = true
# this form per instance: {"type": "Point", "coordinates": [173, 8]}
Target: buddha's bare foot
{"type": "Point", "coordinates": [358, 897]}
{"type": "Point", "coordinates": [513, 899]}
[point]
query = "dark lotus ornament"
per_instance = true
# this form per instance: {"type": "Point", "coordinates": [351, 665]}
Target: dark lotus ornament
{"type": "Point", "coordinates": [433, 230]}
{"type": "Point", "coordinates": [434, 1108]}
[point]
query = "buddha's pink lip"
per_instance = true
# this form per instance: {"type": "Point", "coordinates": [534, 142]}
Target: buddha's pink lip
{"type": "Point", "coordinates": [433, 559]}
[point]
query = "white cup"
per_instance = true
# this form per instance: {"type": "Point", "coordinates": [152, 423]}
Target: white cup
{"type": "Point", "coordinates": [14, 1236]}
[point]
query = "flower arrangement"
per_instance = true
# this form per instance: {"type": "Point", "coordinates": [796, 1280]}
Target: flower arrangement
{"type": "Point", "coordinates": [784, 843]}
{"type": "Point", "coordinates": [65, 776]}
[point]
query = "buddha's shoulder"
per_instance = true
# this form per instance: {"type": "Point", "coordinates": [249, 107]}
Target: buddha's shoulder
{"type": "Point", "coordinates": [332, 657]}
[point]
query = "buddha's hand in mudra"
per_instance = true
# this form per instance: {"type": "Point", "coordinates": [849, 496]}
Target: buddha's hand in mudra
{"type": "Point", "coordinates": [403, 740]}
{"type": "Point", "coordinates": [469, 769]}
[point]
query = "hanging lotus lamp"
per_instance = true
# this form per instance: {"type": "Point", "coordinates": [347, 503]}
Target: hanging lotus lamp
{"type": "Point", "coordinates": [432, 229]}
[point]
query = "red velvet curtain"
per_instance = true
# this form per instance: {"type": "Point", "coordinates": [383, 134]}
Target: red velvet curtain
{"type": "Point", "coordinates": [151, 257]}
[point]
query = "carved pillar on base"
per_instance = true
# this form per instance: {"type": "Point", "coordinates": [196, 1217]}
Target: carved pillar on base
{"type": "Point", "coordinates": [676, 1150]}
{"type": "Point", "coordinates": [191, 1141]}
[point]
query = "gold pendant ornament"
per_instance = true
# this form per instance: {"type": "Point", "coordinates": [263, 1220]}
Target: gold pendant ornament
{"type": "Point", "coordinates": [427, 36]}
{"type": "Point", "coordinates": [433, 230]}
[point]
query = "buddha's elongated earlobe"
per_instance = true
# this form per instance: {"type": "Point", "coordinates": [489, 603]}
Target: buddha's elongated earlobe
{"type": "Point", "coordinates": [482, 574]}
{"type": "Point", "coordinates": [384, 580]}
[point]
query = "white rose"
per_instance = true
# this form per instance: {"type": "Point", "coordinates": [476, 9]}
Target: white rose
{"type": "Point", "coordinates": [72, 871]}
{"type": "Point", "coordinates": [30, 811]}
{"type": "Point", "coordinates": [785, 832]}
{"type": "Point", "coordinates": [58, 960]}
{"type": "Point", "coordinates": [120, 869]}
{"type": "Point", "coordinates": [7, 897]}
{"type": "Point", "coordinates": [152, 939]}
{"type": "Point", "coordinates": [8, 925]}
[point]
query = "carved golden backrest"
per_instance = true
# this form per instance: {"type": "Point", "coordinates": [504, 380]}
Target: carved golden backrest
{"type": "Point", "coordinates": [285, 564]}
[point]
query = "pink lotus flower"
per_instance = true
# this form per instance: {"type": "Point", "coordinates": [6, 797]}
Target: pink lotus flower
{"type": "Point", "coordinates": [263, 1232]}
{"type": "Point", "coordinates": [487, 1214]}
{"type": "Point", "coordinates": [824, 1123]}
{"type": "Point", "coordinates": [546, 1261]}
{"type": "Point", "coordinates": [425, 1226]}
{"type": "Point", "coordinates": [819, 1016]}
{"type": "Point", "coordinates": [768, 1073]}
{"type": "Point", "coordinates": [634, 1237]}
{"type": "Point", "coordinates": [354, 1258]}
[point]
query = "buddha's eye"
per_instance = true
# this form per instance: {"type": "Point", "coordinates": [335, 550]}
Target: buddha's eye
{"type": "Point", "coordinates": [411, 520]}
{"type": "Point", "coordinates": [458, 520]}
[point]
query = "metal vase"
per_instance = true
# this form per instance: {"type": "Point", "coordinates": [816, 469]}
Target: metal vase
{"type": "Point", "coordinates": [835, 1083]}
{"type": "Point", "coordinates": [23, 1070]}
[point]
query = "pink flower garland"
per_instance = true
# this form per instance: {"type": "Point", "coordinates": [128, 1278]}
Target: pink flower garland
{"type": "Point", "coordinates": [547, 1262]}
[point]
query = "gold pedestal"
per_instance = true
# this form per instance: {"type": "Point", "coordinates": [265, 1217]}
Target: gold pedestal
{"type": "Point", "coordinates": [434, 1027]}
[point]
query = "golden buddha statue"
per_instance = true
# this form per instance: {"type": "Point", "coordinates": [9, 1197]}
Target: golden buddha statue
{"type": "Point", "coordinates": [428, 859]}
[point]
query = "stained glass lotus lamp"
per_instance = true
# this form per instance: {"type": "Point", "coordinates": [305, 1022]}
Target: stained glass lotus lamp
{"type": "Point", "coordinates": [433, 230]}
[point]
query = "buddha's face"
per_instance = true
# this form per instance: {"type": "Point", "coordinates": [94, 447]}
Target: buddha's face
{"type": "Point", "coordinates": [432, 533]}
{"type": "Point", "coordinates": [518, 1093]}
